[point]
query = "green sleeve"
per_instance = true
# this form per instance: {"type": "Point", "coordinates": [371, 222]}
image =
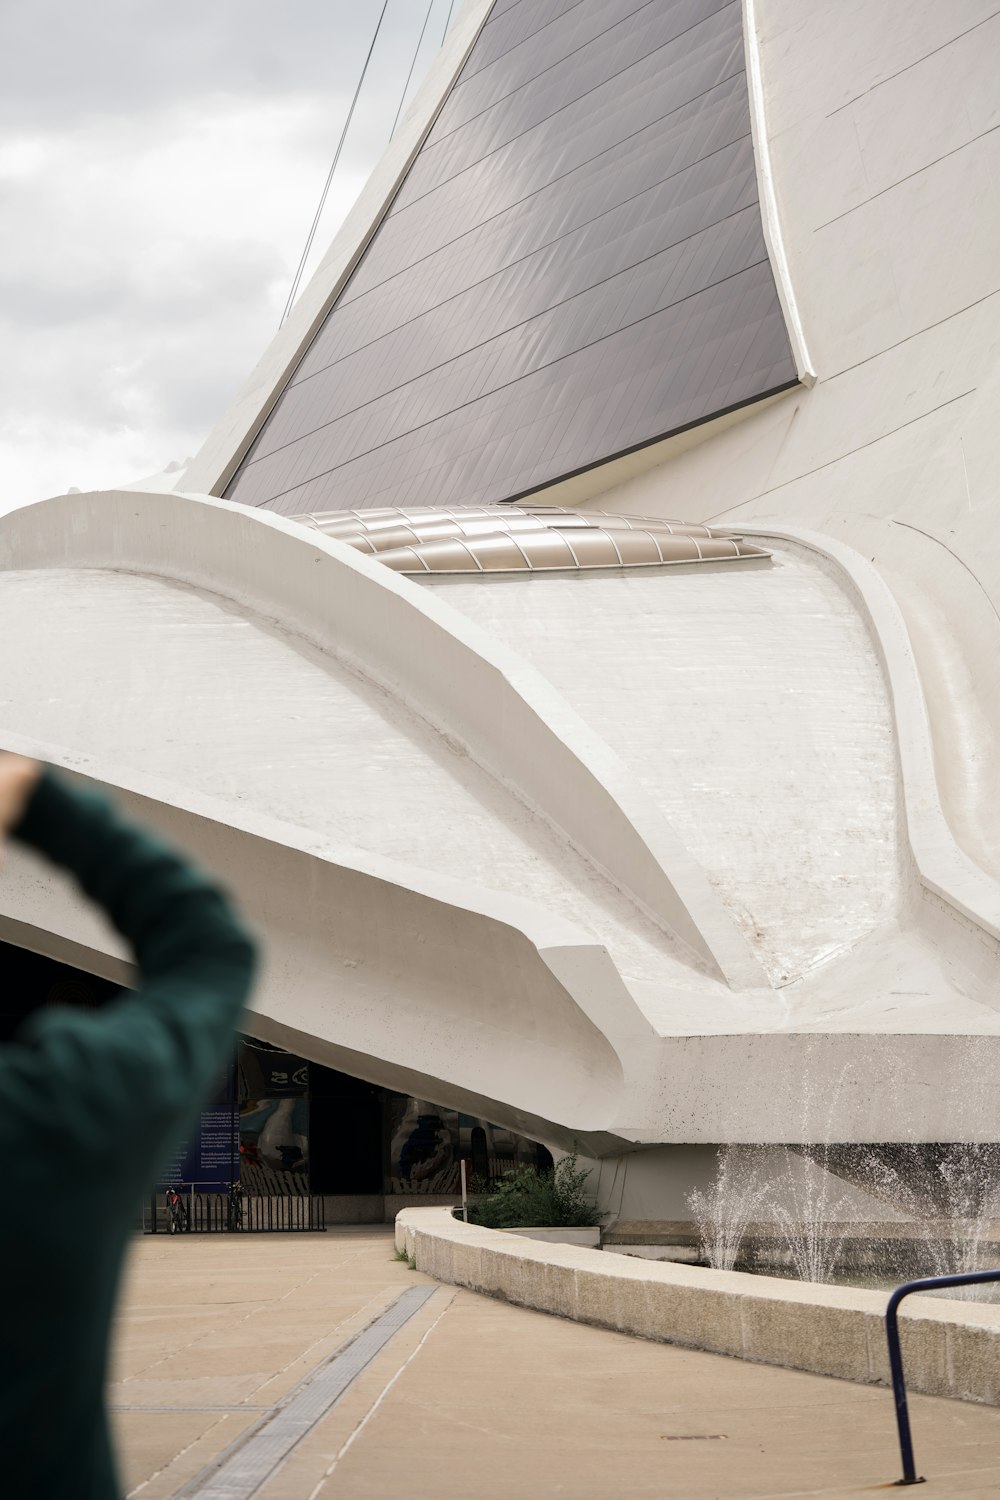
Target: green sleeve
{"type": "Point", "coordinates": [106, 1093]}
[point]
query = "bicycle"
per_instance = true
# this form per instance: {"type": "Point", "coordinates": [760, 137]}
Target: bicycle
{"type": "Point", "coordinates": [177, 1214]}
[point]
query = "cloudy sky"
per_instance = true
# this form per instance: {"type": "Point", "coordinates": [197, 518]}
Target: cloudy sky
{"type": "Point", "coordinates": [159, 169]}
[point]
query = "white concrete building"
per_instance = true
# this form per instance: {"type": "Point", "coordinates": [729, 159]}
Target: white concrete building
{"type": "Point", "coordinates": [659, 856]}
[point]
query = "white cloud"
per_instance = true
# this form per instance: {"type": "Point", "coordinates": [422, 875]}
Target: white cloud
{"type": "Point", "coordinates": [158, 212]}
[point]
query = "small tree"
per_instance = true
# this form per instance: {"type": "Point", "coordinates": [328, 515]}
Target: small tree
{"type": "Point", "coordinates": [527, 1198]}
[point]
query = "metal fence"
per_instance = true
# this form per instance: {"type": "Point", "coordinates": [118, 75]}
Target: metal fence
{"type": "Point", "coordinates": [234, 1213]}
{"type": "Point", "coordinates": [501, 1167]}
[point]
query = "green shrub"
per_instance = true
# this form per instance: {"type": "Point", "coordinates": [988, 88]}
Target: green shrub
{"type": "Point", "coordinates": [527, 1198]}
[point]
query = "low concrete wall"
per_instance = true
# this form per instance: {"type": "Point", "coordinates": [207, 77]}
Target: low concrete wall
{"type": "Point", "coordinates": [395, 1203]}
{"type": "Point", "coordinates": [949, 1348]}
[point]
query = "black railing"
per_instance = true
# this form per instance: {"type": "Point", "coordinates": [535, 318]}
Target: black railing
{"type": "Point", "coordinates": [501, 1167]}
{"type": "Point", "coordinates": [235, 1213]}
{"type": "Point", "coordinates": [926, 1284]}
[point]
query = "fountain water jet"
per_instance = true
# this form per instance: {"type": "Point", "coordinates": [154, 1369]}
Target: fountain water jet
{"type": "Point", "coordinates": [887, 1211]}
{"type": "Point", "coordinates": [813, 1223]}
{"type": "Point", "coordinates": [951, 1194]}
{"type": "Point", "coordinates": [725, 1210]}
{"type": "Point", "coordinates": [774, 1208]}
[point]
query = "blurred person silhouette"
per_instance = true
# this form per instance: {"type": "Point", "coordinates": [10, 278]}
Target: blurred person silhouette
{"type": "Point", "coordinates": [91, 1103]}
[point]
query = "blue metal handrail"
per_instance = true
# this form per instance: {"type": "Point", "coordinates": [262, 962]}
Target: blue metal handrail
{"type": "Point", "coordinates": [926, 1284]}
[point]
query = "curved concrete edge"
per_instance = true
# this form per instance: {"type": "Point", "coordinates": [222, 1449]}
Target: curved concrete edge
{"type": "Point", "coordinates": [770, 215]}
{"type": "Point", "coordinates": [478, 981]}
{"type": "Point", "coordinates": [949, 1348]}
{"type": "Point", "coordinates": [547, 931]}
{"type": "Point", "coordinates": [472, 688]}
{"type": "Point", "coordinates": [217, 459]}
{"type": "Point", "coordinates": [941, 864]}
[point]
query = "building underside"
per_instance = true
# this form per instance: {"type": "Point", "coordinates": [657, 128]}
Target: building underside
{"type": "Point", "coordinates": [680, 834]}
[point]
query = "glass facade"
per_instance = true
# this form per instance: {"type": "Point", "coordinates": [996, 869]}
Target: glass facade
{"type": "Point", "coordinates": [574, 267]}
{"type": "Point", "coordinates": [303, 1128]}
{"type": "Point", "coordinates": [426, 1145]}
{"type": "Point", "coordinates": [273, 1120]}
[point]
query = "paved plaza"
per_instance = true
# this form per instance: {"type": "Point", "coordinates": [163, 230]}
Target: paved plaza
{"type": "Point", "coordinates": [474, 1398]}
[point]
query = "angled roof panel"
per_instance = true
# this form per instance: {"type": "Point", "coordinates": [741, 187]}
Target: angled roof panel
{"type": "Point", "coordinates": [574, 267]}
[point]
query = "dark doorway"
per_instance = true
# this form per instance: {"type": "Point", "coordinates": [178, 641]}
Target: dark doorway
{"type": "Point", "coordinates": [345, 1126]}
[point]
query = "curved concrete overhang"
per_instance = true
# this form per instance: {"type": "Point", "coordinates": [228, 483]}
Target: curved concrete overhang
{"type": "Point", "coordinates": [467, 685]}
{"type": "Point", "coordinates": [478, 1000]}
{"type": "Point", "coordinates": [544, 1036]}
{"type": "Point", "coordinates": [383, 971]}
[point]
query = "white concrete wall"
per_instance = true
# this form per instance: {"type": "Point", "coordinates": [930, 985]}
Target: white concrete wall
{"type": "Point", "coordinates": [884, 131]}
{"type": "Point", "coordinates": [750, 704]}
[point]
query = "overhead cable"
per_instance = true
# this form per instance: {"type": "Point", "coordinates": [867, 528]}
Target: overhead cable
{"type": "Point", "coordinates": [447, 24]}
{"type": "Point", "coordinates": [333, 167]}
{"type": "Point", "coordinates": [413, 64]}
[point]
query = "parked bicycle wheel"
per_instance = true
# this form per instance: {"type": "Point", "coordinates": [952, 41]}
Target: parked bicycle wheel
{"type": "Point", "coordinates": [177, 1214]}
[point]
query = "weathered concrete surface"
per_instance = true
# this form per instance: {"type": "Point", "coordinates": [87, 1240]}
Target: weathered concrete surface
{"type": "Point", "coordinates": [751, 708]}
{"type": "Point", "coordinates": [476, 1398]}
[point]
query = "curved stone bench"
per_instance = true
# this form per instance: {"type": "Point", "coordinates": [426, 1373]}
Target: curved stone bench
{"type": "Point", "coordinates": [949, 1348]}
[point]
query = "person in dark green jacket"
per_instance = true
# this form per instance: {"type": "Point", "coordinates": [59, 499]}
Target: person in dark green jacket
{"type": "Point", "coordinates": [91, 1103]}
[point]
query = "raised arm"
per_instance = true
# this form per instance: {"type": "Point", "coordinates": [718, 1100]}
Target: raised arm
{"type": "Point", "coordinates": [106, 1093]}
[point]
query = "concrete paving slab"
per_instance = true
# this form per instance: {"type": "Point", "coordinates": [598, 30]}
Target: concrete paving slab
{"type": "Point", "coordinates": [159, 1451]}
{"type": "Point", "coordinates": [197, 1390]}
{"type": "Point", "coordinates": [475, 1397]}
